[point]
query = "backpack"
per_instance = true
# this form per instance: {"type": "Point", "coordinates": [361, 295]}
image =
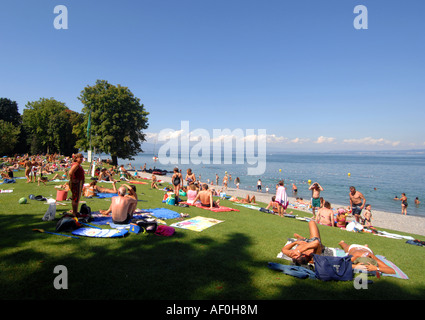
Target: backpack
{"type": "Point", "coordinates": [85, 212]}
{"type": "Point", "coordinates": [67, 224]}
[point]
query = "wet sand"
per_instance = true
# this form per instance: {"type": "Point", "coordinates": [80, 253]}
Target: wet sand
{"type": "Point", "coordinates": [412, 225]}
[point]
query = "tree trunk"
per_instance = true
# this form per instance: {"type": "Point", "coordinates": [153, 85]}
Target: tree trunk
{"type": "Point", "coordinates": [114, 160]}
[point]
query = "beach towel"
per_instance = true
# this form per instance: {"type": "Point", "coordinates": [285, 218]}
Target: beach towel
{"type": "Point", "coordinates": [214, 209]}
{"type": "Point", "coordinates": [416, 242]}
{"type": "Point", "coordinates": [119, 226]}
{"type": "Point", "coordinates": [163, 213]}
{"type": "Point", "coordinates": [295, 271]}
{"type": "Point", "coordinates": [398, 273]}
{"type": "Point", "coordinates": [6, 191]}
{"type": "Point", "coordinates": [100, 233]}
{"type": "Point", "coordinates": [281, 196]}
{"type": "Point", "coordinates": [137, 182]}
{"type": "Point", "coordinates": [8, 181]}
{"type": "Point", "coordinates": [249, 206]}
{"type": "Point", "coordinates": [100, 219]}
{"type": "Point", "coordinates": [106, 195]}
{"type": "Point", "coordinates": [196, 224]}
{"type": "Point", "coordinates": [393, 235]}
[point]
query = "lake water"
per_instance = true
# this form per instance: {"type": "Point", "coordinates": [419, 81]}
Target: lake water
{"type": "Point", "coordinates": [379, 177]}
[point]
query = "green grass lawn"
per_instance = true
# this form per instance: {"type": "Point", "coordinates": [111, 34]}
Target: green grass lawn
{"type": "Point", "coordinates": [226, 261]}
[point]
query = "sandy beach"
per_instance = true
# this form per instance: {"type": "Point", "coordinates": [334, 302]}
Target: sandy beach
{"type": "Point", "coordinates": [413, 225]}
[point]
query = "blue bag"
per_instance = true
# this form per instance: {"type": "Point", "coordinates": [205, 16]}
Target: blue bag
{"type": "Point", "coordinates": [333, 268]}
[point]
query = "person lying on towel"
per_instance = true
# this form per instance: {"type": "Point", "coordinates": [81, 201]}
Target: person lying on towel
{"type": "Point", "coordinates": [301, 251]}
{"type": "Point", "coordinates": [363, 258]}
{"type": "Point", "coordinates": [206, 198]}
{"type": "Point", "coordinates": [92, 189]}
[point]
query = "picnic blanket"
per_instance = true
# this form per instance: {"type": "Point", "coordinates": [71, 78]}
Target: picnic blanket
{"type": "Point", "coordinates": [196, 224]}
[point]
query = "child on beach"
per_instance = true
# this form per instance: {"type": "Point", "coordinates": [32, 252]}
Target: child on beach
{"type": "Point", "coordinates": [341, 218]}
{"type": "Point", "coordinates": [153, 184]}
{"type": "Point", "coordinates": [367, 220]}
{"type": "Point", "coordinates": [325, 215]}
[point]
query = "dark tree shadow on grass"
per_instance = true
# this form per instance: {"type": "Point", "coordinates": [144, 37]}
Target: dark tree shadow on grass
{"type": "Point", "coordinates": [152, 267]}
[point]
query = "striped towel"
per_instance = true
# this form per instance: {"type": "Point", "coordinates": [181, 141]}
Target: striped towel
{"type": "Point", "coordinates": [281, 196]}
{"type": "Point", "coordinates": [398, 273]}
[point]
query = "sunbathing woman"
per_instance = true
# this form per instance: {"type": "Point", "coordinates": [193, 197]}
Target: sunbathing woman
{"type": "Point", "coordinates": [363, 258]}
{"type": "Point", "coordinates": [247, 199]}
{"type": "Point", "coordinates": [63, 176]}
{"type": "Point", "coordinates": [272, 204]}
{"type": "Point", "coordinates": [301, 251]}
{"type": "Point", "coordinates": [92, 189]}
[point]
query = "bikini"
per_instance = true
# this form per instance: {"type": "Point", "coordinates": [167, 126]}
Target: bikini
{"type": "Point", "coordinates": [358, 246]}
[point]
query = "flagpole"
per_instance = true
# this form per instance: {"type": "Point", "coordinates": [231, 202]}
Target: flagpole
{"type": "Point", "coordinates": [89, 137]}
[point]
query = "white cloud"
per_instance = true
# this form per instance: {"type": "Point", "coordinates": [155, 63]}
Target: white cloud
{"type": "Point", "coordinates": [323, 139]}
{"type": "Point", "coordinates": [272, 138]}
{"type": "Point", "coordinates": [300, 140]}
{"type": "Point", "coordinates": [169, 134]}
{"type": "Point", "coordinates": [372, 141]}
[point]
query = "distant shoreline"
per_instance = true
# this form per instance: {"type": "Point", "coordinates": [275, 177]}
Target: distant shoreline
{"type": "Point", "coordinates": [409, 224]}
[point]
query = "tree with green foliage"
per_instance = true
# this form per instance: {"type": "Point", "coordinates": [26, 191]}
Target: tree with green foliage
{"type": "Point", "coordinates": [9, 111]}
{"type": "Point", "coordinates": [113, 121]}
{"type": "Point", "coordinates": [10, 114]}
{"type": "Point", "coordinates": [9, 137]}
{"type": "Point", "coordinates": [49, 125]}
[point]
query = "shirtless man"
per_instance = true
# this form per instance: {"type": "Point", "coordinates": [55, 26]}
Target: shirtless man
{"type": "Point", "coordinates": [206, 198]}
{"type": "Point", "coordinates": [315, 197]}
{"type": "Point", "coordinates": [122, 207]}
{"type": "Point", "coordinates": [357, 203]}
{"type": "Point", "coordinates": [325, 215]}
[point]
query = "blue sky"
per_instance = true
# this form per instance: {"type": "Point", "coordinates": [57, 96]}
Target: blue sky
{"type": "Point", "coordinates": [298, 69]}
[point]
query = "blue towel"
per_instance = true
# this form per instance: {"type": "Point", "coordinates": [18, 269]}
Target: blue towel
{"type": "Point", "coordinates": [295, 271]}
{"type": "Point", "coordinates": [8, 181]}
{"type": "Point", "coordinates": [163, 213]}
{"type": "Point", "coordinates": [106, 195]}
{"type": "Point", "coordinates": [104, 220]}
{"type": "Point", "coordinates": [160, 213]}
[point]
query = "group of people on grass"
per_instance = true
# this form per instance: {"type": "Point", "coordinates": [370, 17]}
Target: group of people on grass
{"type": "Point", "coordinates": [303, 249]}
{"type": "Point", "coordinates": [123, 205]}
